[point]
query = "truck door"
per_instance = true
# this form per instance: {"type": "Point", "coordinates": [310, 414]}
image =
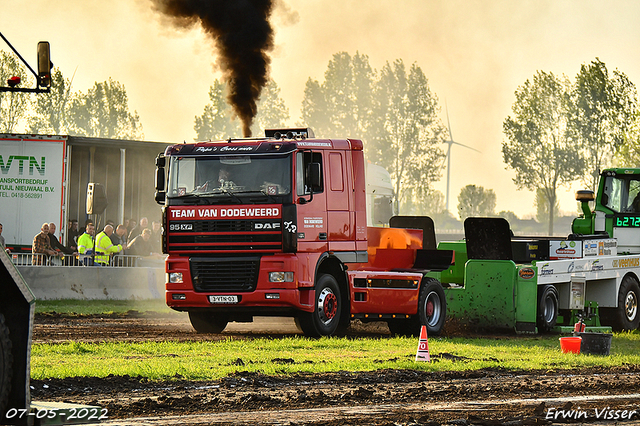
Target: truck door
{"type": "Point", "coordinates": [312, 208]}
{"type": "Point", "coordinates": [340, 216]}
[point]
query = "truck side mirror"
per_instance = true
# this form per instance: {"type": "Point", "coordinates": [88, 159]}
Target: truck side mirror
{"type": "Point", "coordinates": [44, 65]}
{"type": "Point", "coordinates": [314, 176]}
{"type": "Point", "coordinates": [160, 186]}
{"type": "Point", "coordinates": [313, 181]}
{"type": "Point", "coordinates": [161, 180]}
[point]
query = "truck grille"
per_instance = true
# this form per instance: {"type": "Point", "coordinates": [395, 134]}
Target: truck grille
{"type": "Point", "coordinates": [237, 274]}
{"type": "Point", "coordinates": [211, 236]}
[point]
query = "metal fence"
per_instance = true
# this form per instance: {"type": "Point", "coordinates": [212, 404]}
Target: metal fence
{"type": "Point", "coordinates": [29, 259]}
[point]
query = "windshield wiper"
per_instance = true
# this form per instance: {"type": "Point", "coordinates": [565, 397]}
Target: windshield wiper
{"type": "Point", "coordinates": [232, 195]}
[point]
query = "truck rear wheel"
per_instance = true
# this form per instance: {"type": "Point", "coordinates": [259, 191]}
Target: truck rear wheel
{"type": "Point", "coordinates": [626, 315]}
{"type": "Point", "coordinates": [207, 322]}
{"type": "Point", "coordinates": [6, 363]}
{"type": "Point", "coordinates": [547, 308]}
{"type": "Point", "coordinates": [432, 306]}
{"type": "Point", "coordinates": [432, 310]}
{"type": "Point", "coordinates": [325, 318]}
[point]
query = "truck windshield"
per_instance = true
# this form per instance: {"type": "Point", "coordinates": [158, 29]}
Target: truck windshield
{"type": "Point", "coordinates": [221, 176]}
{"type": "Point", "coordinates": [622, 194]}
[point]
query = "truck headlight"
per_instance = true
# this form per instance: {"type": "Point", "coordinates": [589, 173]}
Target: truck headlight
{"type": "Point", "coordinates": [281, 277]}
{"type": "Point", "coordinates": [175, 277]}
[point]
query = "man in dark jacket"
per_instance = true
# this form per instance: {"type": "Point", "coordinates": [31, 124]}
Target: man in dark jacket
{"type": "Point", "coordinates": [141, 245]}
{"type": "Point", "coordinates": [55, 243]}
{"type": "Point", "coordinates": [144, 222]}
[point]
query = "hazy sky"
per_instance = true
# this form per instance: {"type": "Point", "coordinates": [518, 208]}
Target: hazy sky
{"type": "Point", "coordinates": [474, 53]}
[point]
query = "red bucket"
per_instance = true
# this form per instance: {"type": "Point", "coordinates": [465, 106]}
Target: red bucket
{"type": "Point", "coordinates": [570, 344]}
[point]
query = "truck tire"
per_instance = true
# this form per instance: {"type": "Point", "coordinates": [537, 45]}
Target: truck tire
{"type": "Point", "coordinates": [6, 363]}
{"type": "Point", "coordinates": [207, 322]}
{"type": "Point", "coordinates": [626, 316]}
{"type": "Point", "coordinates": [547, 308]}
{"type": "Point", "coordinates": [432, 310]}
{"type": "Point", "coordinates": [325, 318]}
{"type": "Point", "coordinates": [432, 306]}
{"type": "Point", "coordinates": [402, 327]}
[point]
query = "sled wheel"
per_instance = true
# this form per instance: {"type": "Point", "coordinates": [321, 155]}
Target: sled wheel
{"type": "Point", "coordinates": [626, 315]}
{"type": "Point", "coordinates": [547, 308]}
{"type": "Point", "coordinates": [207, 323]}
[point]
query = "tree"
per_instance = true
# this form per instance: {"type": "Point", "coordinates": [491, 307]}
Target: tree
{"type": "Point", "coordinates": [315, 109]}
{"type": "Point", "coordinates": [13, 105]}
{"type": "Point", "coordinates": [395, 113]}
{"type": "Point", "coordinates": [628, 155]}
{"type": "Point", "coordinates": [409, 145]}
{"type": "Point", "coordinates": [433, 204]}
{"type": "Point", "coordinates": [217, 120]}
{"type": "Point", "coordinates": [543, 208]}
{"type": "Point", "coordinates": [51, 110]}
{"type": "Point", "coordinates": [272, 112]}
{"type": "Point", "coordinates": [341, 106]}
{"type": "Point", "coordinates": [538, 148]}
{"type": "Point", "coordinates": [602, 108]}
{"type": "Point", "coordinates": [510, 216]}
{"type": "Point", "coordinates": [475, 201]}
{"type": "Point", "coordinates": [103, 112]}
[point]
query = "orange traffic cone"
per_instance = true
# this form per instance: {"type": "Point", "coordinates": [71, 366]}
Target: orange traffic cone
{"type": "Point", "coordinates": [423, 346]}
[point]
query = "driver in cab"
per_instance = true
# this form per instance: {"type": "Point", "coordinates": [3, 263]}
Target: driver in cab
{"type": "Point", "coordinates": [224, 182]}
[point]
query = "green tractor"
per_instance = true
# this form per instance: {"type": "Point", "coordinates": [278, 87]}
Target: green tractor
{"type": "Point", "coordinates": [539, 284]}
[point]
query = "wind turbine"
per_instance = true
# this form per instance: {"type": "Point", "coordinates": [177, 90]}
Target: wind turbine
{"type": "Point", "coordinates": [450, 143]}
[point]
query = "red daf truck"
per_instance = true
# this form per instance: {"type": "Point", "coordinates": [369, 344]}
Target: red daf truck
{"type": "Point", "coordinates": [277, 226]}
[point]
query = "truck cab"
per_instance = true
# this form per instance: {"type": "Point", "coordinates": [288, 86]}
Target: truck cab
{"type": "Point", "coordinates": [278, 226]}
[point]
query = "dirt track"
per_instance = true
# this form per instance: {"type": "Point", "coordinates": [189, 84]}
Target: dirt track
{"type": "Point", "coordinates": [386, 397]}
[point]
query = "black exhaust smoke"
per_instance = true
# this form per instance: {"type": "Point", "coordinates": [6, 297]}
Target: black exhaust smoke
{"type": "Point", "coordinates": [243, 36]}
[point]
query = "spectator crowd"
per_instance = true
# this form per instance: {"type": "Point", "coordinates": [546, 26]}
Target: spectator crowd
{"type": "Point", "coordinates": [84, 247]}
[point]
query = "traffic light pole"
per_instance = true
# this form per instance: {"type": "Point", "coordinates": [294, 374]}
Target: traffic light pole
{"type": "Point", "coordinates": [43, 76]}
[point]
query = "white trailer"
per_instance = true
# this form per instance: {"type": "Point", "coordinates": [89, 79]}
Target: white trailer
{"type": "Point", "coordinates": [32, 190]}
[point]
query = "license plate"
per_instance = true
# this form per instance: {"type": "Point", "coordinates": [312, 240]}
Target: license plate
{"type": "Point", "coordinates": [223, 299]}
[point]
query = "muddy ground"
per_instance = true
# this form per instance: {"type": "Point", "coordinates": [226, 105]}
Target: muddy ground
{"type": "Point", "coordinates": [384, 397]}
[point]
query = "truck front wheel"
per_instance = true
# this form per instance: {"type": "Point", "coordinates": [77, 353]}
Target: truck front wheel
{"type": "Point", "coordinates": [626, 315]}
{"type": "Point", "coordinates": [207, 322]}
{"type": "Point", "coordinates": [547, 308]}
{"type": "Point", "coordinates": [6, 362]}
{"type": "Point", "coordinates": [325, 318]}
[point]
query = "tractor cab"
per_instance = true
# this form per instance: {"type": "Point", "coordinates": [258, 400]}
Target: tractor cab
{"type": "Point", "coordinates": [617, 209]}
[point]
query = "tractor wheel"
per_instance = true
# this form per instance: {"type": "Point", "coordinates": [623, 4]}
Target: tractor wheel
{"type": "Point", "coordinates": [626, 315]}
{"type": "Point", "coordinates": [547, 308]}
{"type": "Point", "coordinates": [6, 363]}
{"type": "Point", "coordinates": [326, 317]}
{"type": "Point", "coordinates": [207, 322]}
{"type": "Point", "coordinates": [432, 306]}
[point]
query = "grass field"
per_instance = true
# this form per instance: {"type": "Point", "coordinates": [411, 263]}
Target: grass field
{"type": "Point", "coordinates": [212, 360]}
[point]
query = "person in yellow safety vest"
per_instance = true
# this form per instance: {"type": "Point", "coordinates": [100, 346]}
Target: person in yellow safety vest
{"type": "Point", "coordinates": [104, 246]}
{"type": "Point", "coordinates": [85, 241]}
